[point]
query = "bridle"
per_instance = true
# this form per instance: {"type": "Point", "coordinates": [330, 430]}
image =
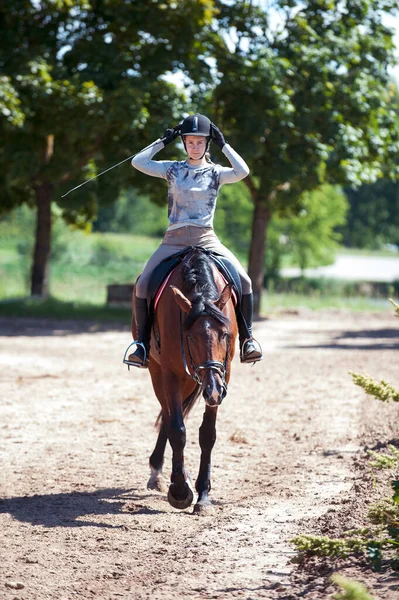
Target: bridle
{"type": "Point", "coordinates": [214, 365]}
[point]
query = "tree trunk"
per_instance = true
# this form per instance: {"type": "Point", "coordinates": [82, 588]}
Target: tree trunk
{"type": "Point", "coordinates": [256, 269]}
{"type": "Point", "coordinates": [41, 255]}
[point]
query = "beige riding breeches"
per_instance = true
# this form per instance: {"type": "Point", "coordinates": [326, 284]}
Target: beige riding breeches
{"type": "Point", "coordinates": [177, 239]}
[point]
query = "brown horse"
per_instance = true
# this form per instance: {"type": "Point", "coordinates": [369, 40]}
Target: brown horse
{"type": "Point", "coordinates": [192, 346]}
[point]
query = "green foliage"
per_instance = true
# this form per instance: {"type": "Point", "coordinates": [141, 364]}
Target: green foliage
{"type": "Point", "coordinates": [371, 541]}
{"type": "Point", "coordinates": [233, 218]}
{"type": "Point", "coordinates": [316, 105]}
{"type": "Point", "coordinates": [307, 101]}
{"type": "Point", "coordinates": [134, 214]}
{"type": "Point", "coordinates": [373, 216]}
{"type": "Point", "coordinates": [314, 545]}
{"type": "Point", "coordinates": [385, 461]}
{"type": "Point", "coordinates": [395, 486]}
{"type": "Point", "coordinates": [82, 85]}
{"type": "Point", "coordinates": [10, 103]}
{"type": "Point", "coordinates": [352, 590]}
{"type": "Point", "coordinates": [379, 389]}
{"type": "Point", "coordinates": [396, 306]}
{"type": "Point", "coordinates": [310, 236]}
{"type": "Point", "coordinates": [82, 264]}
{"type": "Point", "coordinates": [384, 515]}
{"type": "Point", "coordinates": [385, 512]}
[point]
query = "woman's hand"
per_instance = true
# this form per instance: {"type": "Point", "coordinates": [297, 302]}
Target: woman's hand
{"type": "Point", "coordinates": [170, 135]}
{"type": "Point", "coordinates": [217, 136]}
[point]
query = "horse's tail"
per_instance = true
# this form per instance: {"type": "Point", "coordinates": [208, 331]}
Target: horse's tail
{"type": "Point", "coordinates": [188, 404]}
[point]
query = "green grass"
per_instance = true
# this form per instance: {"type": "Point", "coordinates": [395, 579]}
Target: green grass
{"type": "Point", "coordinates": [82, 265]}
{"type": "Point", "coordinates": [277, 302]}
{"type": "Point", "coordinates": [57, 309]}
{"type": "Point", "coordinates": [78, 309]}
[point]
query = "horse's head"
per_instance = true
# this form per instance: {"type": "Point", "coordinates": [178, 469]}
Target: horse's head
{"type": "Point", "coordinates": [208, 334]}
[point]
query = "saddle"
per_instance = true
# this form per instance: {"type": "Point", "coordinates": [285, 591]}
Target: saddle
{"type": "Point", "coordinates": [161, 273]}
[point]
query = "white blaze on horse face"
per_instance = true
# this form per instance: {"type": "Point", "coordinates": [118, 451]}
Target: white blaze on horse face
{"type": "Point", "coordinates": [213, 389]}
{"type": "Point", "coordinates": [205, 347]}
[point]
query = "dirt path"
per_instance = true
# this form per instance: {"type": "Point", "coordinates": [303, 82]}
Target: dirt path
{"type": "Point", "coordinates": [76, 434]}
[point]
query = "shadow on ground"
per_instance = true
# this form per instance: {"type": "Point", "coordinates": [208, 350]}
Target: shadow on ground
{"type": "Point", "coordinates": [76, 509]}
{"type": "Point", "coordinates": [368, 339]}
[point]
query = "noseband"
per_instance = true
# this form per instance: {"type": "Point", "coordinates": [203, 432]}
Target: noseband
{"type": "Point", "coordinates": [214, 365]}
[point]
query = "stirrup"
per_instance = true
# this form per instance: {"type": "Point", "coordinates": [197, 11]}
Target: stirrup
{"type": "Point", "coordinates": [130, 363]}
{"type": "Point", "coordinates": [257, 354]}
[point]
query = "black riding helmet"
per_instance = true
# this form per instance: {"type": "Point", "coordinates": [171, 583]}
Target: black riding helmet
{"type": "Point", "coordinates": [196, 125]}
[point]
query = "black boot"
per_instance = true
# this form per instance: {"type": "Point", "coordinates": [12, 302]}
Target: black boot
{"type": "Point", "coordinates": [139, 358]}
{"type": "Point", "coordinates": [250, 350]}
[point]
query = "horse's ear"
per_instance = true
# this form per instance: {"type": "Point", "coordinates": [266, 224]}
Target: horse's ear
{"type": "Point", "coordinates": [224, 296]}
{"type": "Point", "coordinates": [181, 300]}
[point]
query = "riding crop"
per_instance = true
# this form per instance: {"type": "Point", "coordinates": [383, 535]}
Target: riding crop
{"type": "Point", "coordinates": [109, 169]}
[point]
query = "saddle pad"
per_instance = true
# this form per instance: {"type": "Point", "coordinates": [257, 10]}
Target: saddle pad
{"type": "Point", "coordinates": [165, 268]}
{"type": "Point", "coordinates": [164, 284]}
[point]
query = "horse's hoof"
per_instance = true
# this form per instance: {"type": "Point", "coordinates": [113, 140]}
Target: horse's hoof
{"type": "Point", "coordinates": [157, 482]}
{"type": "Point", "coordinates": [204, 508]}
{"type": "Point", "coordinates": [187, 501]}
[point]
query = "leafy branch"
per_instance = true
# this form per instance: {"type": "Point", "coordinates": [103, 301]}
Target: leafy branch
{"type": "Point", "coordinates": [352, 590]}
{"type": "Point", "coordinates": [396, 306]}
{"type": "Point", "coordinates": [379, 389]}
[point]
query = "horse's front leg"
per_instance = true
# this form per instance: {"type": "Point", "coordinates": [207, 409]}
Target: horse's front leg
{"type": "Point", "coordinates": [156, 480]}
{"type": "Point", "coordinates": [207, 439]}
{"type": "Point", "coordinates": [181, 493]}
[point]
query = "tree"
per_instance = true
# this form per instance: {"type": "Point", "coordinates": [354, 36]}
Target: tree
{"type": "Point", "coordinates": [309, 237]}
{"type": "Point", "coordinates": [82, 83]}
{"type": "Point", "coordinates": [306, 101]}
{"type": "Point", "coordinates": [373, 217]}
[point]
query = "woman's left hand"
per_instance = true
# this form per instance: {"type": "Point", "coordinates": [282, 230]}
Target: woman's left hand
{"type": "Point", "coordinates": [217, 136]}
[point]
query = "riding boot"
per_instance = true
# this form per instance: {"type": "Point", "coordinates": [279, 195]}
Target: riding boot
{"type": "Point", "coordinates": [250, 350]}
{"type": "Point", "coordinates": [140, 356]}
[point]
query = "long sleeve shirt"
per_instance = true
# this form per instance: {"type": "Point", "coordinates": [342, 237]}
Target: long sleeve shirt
{"type": "Point", "coordinates": [192, 190]}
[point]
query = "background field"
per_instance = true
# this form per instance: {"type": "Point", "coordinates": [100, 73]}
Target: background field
{"type": "Point", "coordinates": [84, 263]}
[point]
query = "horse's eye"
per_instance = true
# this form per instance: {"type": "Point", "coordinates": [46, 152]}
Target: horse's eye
{"type": "Point", "coordinates": [224, 335]}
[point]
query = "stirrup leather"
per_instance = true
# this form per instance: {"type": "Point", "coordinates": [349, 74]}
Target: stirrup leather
{"type": "Point", "coordinates": [130, 363]}
{"type": "Point", "coordinates": [254, 359]}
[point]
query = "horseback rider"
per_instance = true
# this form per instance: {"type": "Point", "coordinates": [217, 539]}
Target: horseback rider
{"type": "Point", "coordinates": [193, 185]}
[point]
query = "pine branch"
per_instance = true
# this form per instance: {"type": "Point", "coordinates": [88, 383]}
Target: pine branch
{"type": "Point", "coordinates": [379, 389]}
{"type": "Point", "coordinates": [396, 306]}
{"type": "Point", "coordinates": [352, 590]}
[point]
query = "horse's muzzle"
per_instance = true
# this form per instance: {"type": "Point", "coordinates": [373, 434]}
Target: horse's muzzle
{"type": "Point", "coordinates": [213, 388]}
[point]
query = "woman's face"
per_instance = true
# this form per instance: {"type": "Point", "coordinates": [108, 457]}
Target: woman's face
{"type": "Point", "coordinates": [195, 146]}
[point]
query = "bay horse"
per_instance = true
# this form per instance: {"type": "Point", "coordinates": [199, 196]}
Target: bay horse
{"type": "Point", "coordinates": [192, 345]}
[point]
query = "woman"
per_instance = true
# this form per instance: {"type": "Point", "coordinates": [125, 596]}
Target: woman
{"type": "Point", "coordinates": [193, 186]}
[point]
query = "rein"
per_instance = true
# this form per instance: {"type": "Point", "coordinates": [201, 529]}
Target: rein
{"type": "Point", "coordinates": [215, 365]}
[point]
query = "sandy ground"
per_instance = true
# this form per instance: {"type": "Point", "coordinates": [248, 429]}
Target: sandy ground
{"type": "Point", "coordinates": [77, 429]}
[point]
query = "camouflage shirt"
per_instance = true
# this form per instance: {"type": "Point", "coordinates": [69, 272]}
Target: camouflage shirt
{"type": "Point", "coordinates": [192, 190]}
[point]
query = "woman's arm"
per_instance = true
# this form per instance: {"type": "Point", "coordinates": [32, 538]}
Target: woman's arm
{"type": "Point", "coordinates": [157, 168]}
{"type": "Point", "coordinates": [238, 170]}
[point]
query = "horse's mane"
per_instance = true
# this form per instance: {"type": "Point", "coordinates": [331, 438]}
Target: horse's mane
{"type": "Point", "coordinates": [200, 286]}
